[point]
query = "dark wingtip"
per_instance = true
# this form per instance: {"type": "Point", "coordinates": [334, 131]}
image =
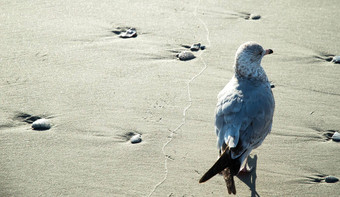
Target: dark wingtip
{"type": "Point", "coordinates": [219, 165]}
{"type": "Point", "coordinates": [203, 179]}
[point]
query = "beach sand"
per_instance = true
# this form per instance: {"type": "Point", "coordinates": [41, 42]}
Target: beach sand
{"type": "Point", "coordinates": [62, 61]}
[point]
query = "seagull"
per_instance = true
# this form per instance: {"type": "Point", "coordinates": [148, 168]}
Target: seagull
{"type": "Point", "coordinates": [244, 114]}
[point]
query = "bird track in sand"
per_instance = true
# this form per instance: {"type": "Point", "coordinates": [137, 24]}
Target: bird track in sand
{"type": "Point", "coordinates": [166, 156]}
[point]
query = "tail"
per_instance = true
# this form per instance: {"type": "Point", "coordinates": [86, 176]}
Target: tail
{"type": "Point", "coordinates": [229, 168]}
{"type": "Point", "coordinates": [220, 165]}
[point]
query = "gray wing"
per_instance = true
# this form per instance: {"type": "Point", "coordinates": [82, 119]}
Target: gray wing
{"type": "Point", "coordinates": [244, 115]}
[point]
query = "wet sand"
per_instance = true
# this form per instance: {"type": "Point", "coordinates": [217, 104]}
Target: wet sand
{"type": "Point", "coordinates": [64, 62]}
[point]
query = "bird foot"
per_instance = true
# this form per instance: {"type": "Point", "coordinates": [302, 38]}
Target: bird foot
{"type": "Point", "coordinates": [246, 169]}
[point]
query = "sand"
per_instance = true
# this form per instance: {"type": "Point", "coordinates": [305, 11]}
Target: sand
{"type": "Point", "coordinates": [62, 61]}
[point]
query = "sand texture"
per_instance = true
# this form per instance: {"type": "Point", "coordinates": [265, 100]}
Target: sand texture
{"type": "Point", "coordinates": [65, 61]}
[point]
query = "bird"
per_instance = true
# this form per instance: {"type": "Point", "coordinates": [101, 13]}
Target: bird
{"type": "Point", "coordinates": [244, 114]}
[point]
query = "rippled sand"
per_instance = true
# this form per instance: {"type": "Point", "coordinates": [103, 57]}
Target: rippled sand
{"type": "Point", "coordinates": [64, 61]}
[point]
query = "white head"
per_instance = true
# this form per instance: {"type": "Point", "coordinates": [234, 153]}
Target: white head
{"type": "Point", "coordinates": [248, 61]}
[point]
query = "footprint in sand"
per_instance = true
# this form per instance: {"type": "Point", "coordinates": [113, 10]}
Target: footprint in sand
{"type": "Point", "coordinates": [317, 178]}
{"type": "Point", "coordinates": [42, 56]}
{"type": "Point", "coordinates": [125, 32]}
{"type": "Point", "coordinates": [28, 118]}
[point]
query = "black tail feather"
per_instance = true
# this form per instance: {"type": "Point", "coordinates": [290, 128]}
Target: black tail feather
{"type": "Point", "coordinates": [220, 165]}
{"type": "Point", "coordinates": [223, 162]}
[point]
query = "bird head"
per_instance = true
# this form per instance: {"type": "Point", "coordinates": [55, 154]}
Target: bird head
{"type": "Point", "coordinates": [248, 60]}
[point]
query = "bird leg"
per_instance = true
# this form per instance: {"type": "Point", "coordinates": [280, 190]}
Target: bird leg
{"type": "Point", "coordinates": [229, 180]}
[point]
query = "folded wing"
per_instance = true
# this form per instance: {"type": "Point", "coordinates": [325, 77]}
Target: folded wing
{"type": "Point", "coordinates": [243, 121]}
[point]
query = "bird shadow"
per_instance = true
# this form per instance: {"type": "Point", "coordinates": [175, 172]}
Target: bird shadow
{"type": "Point", "coordinates": [250, 178]}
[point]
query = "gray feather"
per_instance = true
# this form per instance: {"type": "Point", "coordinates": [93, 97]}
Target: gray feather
{"type": "Point", "coordinates": [244, 111]}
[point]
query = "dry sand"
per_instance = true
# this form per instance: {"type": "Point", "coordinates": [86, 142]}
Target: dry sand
{"type": "Point", "coordinates": [61, 61]}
